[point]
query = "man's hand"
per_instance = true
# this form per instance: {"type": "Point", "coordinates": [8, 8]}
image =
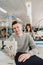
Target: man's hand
{"type": "Point", "coordinates": [23, 57]}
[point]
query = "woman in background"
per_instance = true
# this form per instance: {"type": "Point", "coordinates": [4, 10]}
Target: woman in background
{"type": "Point", "coordinates": [29, 29]}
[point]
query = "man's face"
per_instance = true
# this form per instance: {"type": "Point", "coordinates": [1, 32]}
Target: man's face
{"type": "Point", "coordinates": [17, 28]}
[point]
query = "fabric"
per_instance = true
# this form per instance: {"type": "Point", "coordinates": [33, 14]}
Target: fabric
{"type": "Point", "coordinates": [33, 60]}
{"type": "Point", "coordinates": [24, 43]}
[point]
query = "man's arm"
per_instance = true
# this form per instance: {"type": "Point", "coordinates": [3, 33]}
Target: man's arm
{"type": "Point", "coordinates": [34, 49]}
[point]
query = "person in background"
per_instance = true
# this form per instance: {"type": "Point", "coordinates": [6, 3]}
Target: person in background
{"type": "Point", "coordinates": [29, 29]}
{"type": "Point", "coordinates": [25, 56]}
{"type": "Point", "coordinates": [4, 34]}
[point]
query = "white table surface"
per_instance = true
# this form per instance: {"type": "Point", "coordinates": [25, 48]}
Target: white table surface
{"type": "Point", "coordinates": [5, 60]}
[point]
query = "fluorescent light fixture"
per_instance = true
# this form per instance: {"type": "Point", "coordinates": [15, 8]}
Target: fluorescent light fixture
{"type": "Point", "coordinates": [4, 11]}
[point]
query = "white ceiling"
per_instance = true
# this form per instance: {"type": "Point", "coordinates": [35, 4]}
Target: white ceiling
{"type": "Point", "coordinates": [18, 9]}
{"type": "Point", "coordinates": [14, 7]}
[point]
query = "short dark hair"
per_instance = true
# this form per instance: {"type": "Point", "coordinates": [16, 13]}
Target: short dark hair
{"type": "Point", "coordinates": [14, 22]}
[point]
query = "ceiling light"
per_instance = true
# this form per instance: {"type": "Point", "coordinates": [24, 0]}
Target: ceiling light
{"type": "Point", "coordinates": [3, 10]}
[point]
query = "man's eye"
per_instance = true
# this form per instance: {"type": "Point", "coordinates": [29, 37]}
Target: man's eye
{"type": "Point", "coordinates": [14, 28]}
{"type": "Point", "coordinates": [17, 27]}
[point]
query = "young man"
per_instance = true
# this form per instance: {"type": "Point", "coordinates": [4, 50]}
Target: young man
{"type": "Point", "coordinates": [24, 55]}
